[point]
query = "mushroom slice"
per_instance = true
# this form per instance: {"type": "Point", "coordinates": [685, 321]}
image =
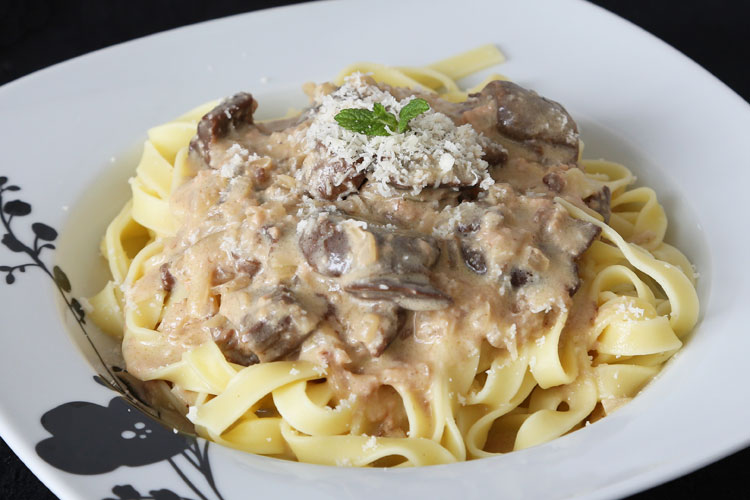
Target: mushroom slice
{"type": "Point", "coordinates": [325, 246]}
{"type": "Point", "coordinates": [523, 122]}
{"type": "Point", "coordinates": [376, 327]}
{"type": "Point", "coordinates": [270, 323]}
{"type": "Point", "coordinates": [217, 123]}
{"type": "Point", "coordinates": [601, 202]}
{"type": "Point", "coordinates": [410, 292]}
{"type": "Point", "coordinates": [329, 178]}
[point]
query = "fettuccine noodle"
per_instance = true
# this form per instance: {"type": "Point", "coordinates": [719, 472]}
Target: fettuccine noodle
{"type": "Point", "coordinates": [638, 289]}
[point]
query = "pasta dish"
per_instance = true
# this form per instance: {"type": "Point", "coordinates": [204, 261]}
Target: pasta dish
{"type": "Point", "coordinates": [404, 273]}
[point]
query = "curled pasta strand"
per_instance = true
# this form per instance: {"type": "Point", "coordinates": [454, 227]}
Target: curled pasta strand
{"type": "Point", "coordinates": [476, 436]}
{"type": "Point", "coordinates": [154, 172]}
{"type": "Point", "coordinates": [503, 380]}
{"type": "Point", "coordinates": [297, 408]}
{"type": "Point", "coordinates": [613, 175]}
{"type": "Point", "coordinates": [108, 310]}
{"type": "Point", "coordinates": [518, 403]}
{"type": "Point", "coordinates": [419, 420]}
{"type": "Point", "coordinates": [246, 388]}
{"type": "Point", "coordinates": [682, 296]}
{"type": "Point", "coordinates": [381, 73]}
{"type": "Point", "coordinates": [151, 211]}
{"type": "Point", "coordinates": [546, 421]}
{"type": "Point", "coordinates": [120, 232]}
{"type": "Point", "coordinates": [632, 328]}
{"type": "Point", "coordinates": [622, 380]}
{"type": "Point", "coordinates": [611, 276]}
{"type": "Point", "coordinates": [169, 138]}
{"type": "Point", "coordinates": [430, 78]}
{"type": "Point", "coordinates": [445, 430]}
{"type": "Point", "coordinates": [649, 223]}
{"type": "Point", "coordinates": [551, 363]}
{"type": "Point", "coordinates": [670, 254]}
{"type": "Point", "coordinates": [358, 451]}
{"type": "Point", "coordinates": [253, 435]}
{"type": "Point", "coordinates": [203, 369]}
{"type": "Point", "coordinates": [469, 62]}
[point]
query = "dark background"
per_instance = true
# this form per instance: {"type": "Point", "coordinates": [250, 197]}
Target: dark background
{"type": "Point", "coordinates": [37, 33]}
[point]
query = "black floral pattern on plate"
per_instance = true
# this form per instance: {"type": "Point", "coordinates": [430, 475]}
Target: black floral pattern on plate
{"type": "Point", "coordinates": [127, 492]}
{"type": "Point", "coordinates": [85, 434]}
{"type": "Point", "coordinates": [87, 438]}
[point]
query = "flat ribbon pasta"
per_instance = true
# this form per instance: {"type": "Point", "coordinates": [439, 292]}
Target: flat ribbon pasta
{"type": "Point", "coordinates": [640, 292]}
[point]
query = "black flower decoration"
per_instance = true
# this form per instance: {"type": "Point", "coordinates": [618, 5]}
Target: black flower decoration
{"type": "Point", "coordinates": [88, 438]}
{"type": "Point", "coordinates": [127, 492]}
{"type": "Point", "coordinates": [91, 439]}
{"type": "Point", "coordinates": [44, 235]}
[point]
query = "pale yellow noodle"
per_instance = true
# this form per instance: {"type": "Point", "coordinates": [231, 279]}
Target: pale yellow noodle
{"type": "Point", "coordinates": [513, 401]}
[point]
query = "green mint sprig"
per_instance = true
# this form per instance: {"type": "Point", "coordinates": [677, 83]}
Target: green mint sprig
{"type": "Point", "coordinates": [379, 121]}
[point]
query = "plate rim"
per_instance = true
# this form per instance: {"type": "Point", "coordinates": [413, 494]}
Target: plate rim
{"type": "Point", "coordinates": [652, 478]}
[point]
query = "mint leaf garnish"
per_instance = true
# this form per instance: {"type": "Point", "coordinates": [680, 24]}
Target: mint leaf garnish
{"type": "Point", "coordinates": [359, 120]}
{"type": "Point", "coordinates": [414, 108]}
{"type": "Point", "coordinates": [379, 121]}
{"type": "Point", "coordinates": [367, 122]}
{"type": "Point", "coordinates": [384, 116]}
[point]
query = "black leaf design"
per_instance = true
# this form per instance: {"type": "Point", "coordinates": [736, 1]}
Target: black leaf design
{"type": "Point", "coordinates": [61, 278]}
{"type": "Point", "coordinates": [87, 438]}
{"type": "Point", "coordinates": [43, 231]}
{"type": "Point", "coordinates": [126, 492]}
{"type": "Point", "coordinates": [12, 243]}
{"type": "Point", "coordinates": [17, 208]}
{"type": "Point", "coordinates": [164, 495]}
{"type": "Point", "coordinates": [77, 309]}
{"type": "Point", "coordinates": [92, 439]}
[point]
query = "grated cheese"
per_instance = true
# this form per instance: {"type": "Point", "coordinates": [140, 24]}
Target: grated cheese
{"type": "Point", "coordinates": [371, 444]}
{"type": "Point", "coordinates": [434, 152]}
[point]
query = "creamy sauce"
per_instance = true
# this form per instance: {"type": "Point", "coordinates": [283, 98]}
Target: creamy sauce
{"type": "Point", "coordinates": [295, 248]}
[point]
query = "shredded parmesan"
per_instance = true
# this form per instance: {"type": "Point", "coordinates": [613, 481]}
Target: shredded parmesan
{"type": "Point", "coordinates": [435, 152]}
{"type": "Point", "coordinates": [371, 444]}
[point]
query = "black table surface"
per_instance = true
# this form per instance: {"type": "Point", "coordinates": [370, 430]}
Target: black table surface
{"type": "Point", "coordinates": [37, 33]}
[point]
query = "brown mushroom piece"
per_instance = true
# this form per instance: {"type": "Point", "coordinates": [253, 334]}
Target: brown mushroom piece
{"type": "Point", "coordinates": [268, 323]}
{"type": "Point", "coordinates": [376, 327]}
{"type": "Point", "coordinates": [329, 178]}
{"type": "Point", "coordinates": [565, 239]}
{"type": "Point", "coordinates": [234, 349]}
{"type": "Point", "coordinates": [325, 246]}
{"type": "Point", "coordinates": [474, 259]}
{"type": "Point", "coordinates": [550, 243]}
{"type": "Point", "coordinates": [600, 202]}
{"type": "Point", "coordinates": [401, 274]}
{"type": "Point", "coordinates": [167, 279]}
{"type": "Point", "coordinates": [413, 293]}
{"type": "Point", "coordinates": [217, 123]}
{"type": "Point", "coordinates": [526, 124]}
{"type": "Point", "coordinates": [399, 269]}
{"type": "Point", "coordinates": [554, 181]}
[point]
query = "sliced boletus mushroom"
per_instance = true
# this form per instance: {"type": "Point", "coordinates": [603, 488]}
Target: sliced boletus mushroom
{"type": "Point", "coordinates": [526, 124]}
{"type": "Point", "coordinates": [217, 123]}
{"type": "Point", "coordinates": [410, 292]}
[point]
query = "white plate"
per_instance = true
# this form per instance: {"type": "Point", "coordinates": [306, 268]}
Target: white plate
{"type": "Point", "coordinates": [637, 101]}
